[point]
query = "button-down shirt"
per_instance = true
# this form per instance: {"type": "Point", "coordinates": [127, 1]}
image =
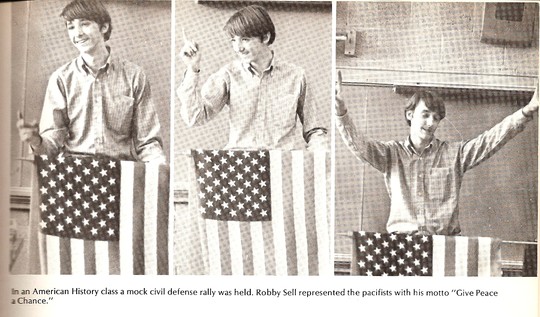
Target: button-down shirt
{"type": "Point", "coordinates": [110, 113]}
{"type": "Point", "coordinates": [264, 109]}
{"type": "Point", "coordinates": [424, 189]}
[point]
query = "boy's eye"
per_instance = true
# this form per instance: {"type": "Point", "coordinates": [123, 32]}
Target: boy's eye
{"type": "Point", "coordinates": [245, 39]}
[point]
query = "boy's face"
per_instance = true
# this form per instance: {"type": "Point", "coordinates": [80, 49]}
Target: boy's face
{"type": "Point", "coordinates": [249, 49]}
{"type": "Point", "coordinates": [86, 35]}
{"type": "Point", "coordinates": [424, 122]}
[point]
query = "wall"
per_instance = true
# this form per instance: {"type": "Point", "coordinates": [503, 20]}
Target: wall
{"type": "Point", "coordinates": [499, 197]}
{"type": "Point", "coordinates": [141, 34]}
{"type": "Point", "coordinates": [303, 37]}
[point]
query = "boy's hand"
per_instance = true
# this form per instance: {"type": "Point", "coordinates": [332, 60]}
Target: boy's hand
{"type": "Point", "coordinates": [28, 132]}
{"type": "Point", "coordinates": [190, 54]}
{"type": "Point", "coordinates": [340, 107]}
{"type": "Point", "coordinates": [532, 106]}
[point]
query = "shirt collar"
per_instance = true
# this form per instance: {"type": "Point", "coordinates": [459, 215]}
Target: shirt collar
{"type": "Point", "coordinates": [108, 63]}
{"type": "Point", "coordinates": [409, 146]}
{"type": "Point", "coordinates": [251, 69]}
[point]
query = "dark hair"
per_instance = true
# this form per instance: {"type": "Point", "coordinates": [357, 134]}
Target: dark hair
{"type": "Point", "coordinates": [251, 21]}
{"type": "Point", "coordinates": [92, 10]}
{"type": "Point", "coordinates": [432, 101]}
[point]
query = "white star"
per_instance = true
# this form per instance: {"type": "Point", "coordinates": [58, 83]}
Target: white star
{"type": "Point", "coordinates": [200, 179]}
{"type": "Point", "coordinates": [369, 273]}
{"type": "Point", "coordinates": [230, 153]}
{"type": "Point", "coordinates": [238, 161]}
{"type": "Point", "coordinates": [377, 267]}
{"type": "Point", "coordinates": [110, 215]}
{"type": "Point", "coordinates": [216, 182]}
{"type": "Point", "coordinates": [94, 197]}
{"type": "Point", "coordinates": [86, 171]}
{"type": "Point", "coordinates": [44, 173]}
{"type": "Point", "coordinates": [94, 231]}
{"type": "Point", "coordinates": [43, 224]}
{"type": "Point", "coordinates": [61, 176]}
{"type": "Point", "coordinates": [256, 206]}
{"type": "Point", "coordinates": [401, 261]}
{"type": "Point", "coordinates": [393, 252]}
{"type": "Point", "coordinates": [52, 166]}
{"type": "Point", "coordinates": [262, 169]}
{"type": "Point", "coordinates": [94, 180]}
{"type": "Point", "coordinates": [247, 184]}
{"type": "Point", "coordinates": [223, 175]}
{"type": "Point", "coordinates": [95, 163]}
{"type": "Point", "coordinates": [223, 160]}
{"type": "Point", "coordinates": [111, 198]}
{"type": "Point", "coordinates": [424, 270]}
{"type": "Point", "coordinates": [103, 189]}
{"type": "Point", "coordinates": [69, 186]}
{"type": "Point", "coordinates": [77, 212]}
{"type": "Point", "coordinates": [93, 214]}
{"type": "Point", "coordinates": [225, 205]}
{"type": "Point", "coordinates": [240, 205]}
{"type": "Point", "coordinates": [247, 168]}
{"type": "Point", "coordinates": [408, 269]}
{"type": "Point", "coordinates": [77, 229]}
{"type": "Point", "coordinates": [60, 158]}
{"type": "Point", "coordinates": [209, 189]}
{"type": "Point", "coordinates": [417, 246]}
{"type": "Point", "coordinates": [86, 188]}
{"type": "Point", "coordinates": [254, 161]}
{"type": "Point", "coordinates": [393, 268]}
{"type": "Point", "coordinates": [262, 154]}
{"type": "Point", "coordinates": [239, 176]}
{"type": "Point", "coordinates": [224, 190]}
{"type": "Point", "coordinates": [111, 231]}
{"type": "Point", "coordinates": [245, 154]}
{"type": "Point", "coordinates": [424, 254]}
{"type": "Point", "coordinates": [102, 223]}
{"type": "Point", "coordinates": [231, 183]}
{"type": "Point", "coordinates": [60, 193]}
{"type": "Point", "coordinates": [377, 251]}
{"type": "Point", "coordinates": [215, 152]}
{"type": "Point", "coordinates": [385, 244]}
{"type": "Point", "coordinates": [208, 174]}
{"type": "Point", "coordinates": [52, 184]}
{"type": "Point", "coordinates": [60, 227]}
{"type": "Point", "coordinates": [86, 205]}
{"type": "Point", "coordinates": [255, 176]}
{"type": "Point", "coordinates": [230, 168]}
{"type": "Point", "coordinates": [232, 212]}
{"type": "Point", "coordinates": [262, 184]}
{"type": "Point", "coordinates": [263, 198]}
{"type": "Point", "coordinates": [44, 157]}
{"type": "Point", "coordinates": [112, 164]}
{"type": "Point", "coordinates": [102, 206]}
{"type": "Point", "coordinates": [408, 238]}
{"type": "Point", "coordinates": [52, 217]}
{"type": "Point", "coordinates": [43, 190]}
{"type": "Point", "coordinates": [52, 200]}
{"type": "Point", "coordinates": [217, 197]}
{"type": "Point", "coordinates": [68, 219]}
{"type": "Point", "coordinates": [240, 190]}
{"type": "Point", "coordinates": [209, 203]}
{"type": "Point", "coordinates": [202, 210]}
{"type": "Point", "coordinates": [86, 222]}
{"type": "Point", "coordinates": [424, 239]}
{"type": "Point", "coordinates": [43, 207]}
{"type": "Point", "coordinates": [248, 198]}
{"type": "Point", "coordinates": [393, 237]}
{"type": "Point", "coordinates": [416, 262]}
{"type": "Point", "coordinates": [77, 162]}
{"type": "Point", "coordinates": [264, 213]}
{"type": "Point", "coordinates": [77, 195]}
{"type": "Point", "coordinates": [377, 235]}
{"type": "Point", "coordinates": [207, 159]}
{"type": "Point", "coordinates": [217, 211]}
{"type": "Point", "coordinates": [201, 195]}
{"type": "Point", "coordinates": [249, 213]}
{"type": "Point", "coordinates": [215, 167]}
{"type": "Point", "coordinates": [401, 245]}
{"type": "Point", "coordinates": [362, 248]}
{"type": "Point", "coordinates": [362, 264]}
{"type": "Point", "coordinates": [60, 210]}
{"type": "Point", "coordinates": [69, 169]}
{"type": "Point", "coordinates": [78, 179]}
{"type": "Point", "coordinates": [112, 181]}
{"type": "Point", "coordinates": [385, 259]}
{"type": "Point", "coordinates": [103, 173]}
{"type": "Point", "coordinates": [369, 241]}
{"type": "Point", "coordinates": [369, 257]}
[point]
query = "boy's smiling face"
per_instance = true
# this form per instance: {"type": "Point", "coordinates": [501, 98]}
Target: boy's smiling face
{"type": "Point", "coordinates": [250, 49]}
{"type": "Point", "coordinates": [86, 35]}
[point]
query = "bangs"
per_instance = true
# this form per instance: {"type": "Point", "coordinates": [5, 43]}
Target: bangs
{"type": "Point", "coordinates": [251, 21]}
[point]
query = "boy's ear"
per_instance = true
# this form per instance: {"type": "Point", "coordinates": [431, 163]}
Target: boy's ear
{"type": "Point", "coordinates": [409, 114]}
{"type": "Point", "coordinates": [104, 28]}
{"type": "Point", "coordinates": [266, 38]}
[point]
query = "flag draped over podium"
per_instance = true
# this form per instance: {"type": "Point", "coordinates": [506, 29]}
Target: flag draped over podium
{"type": "Point", "coordinates": [102, 216]}
{"type": "Point", "coordinates": [262, 212]}
{"type": "Point", "coordinates": [383, 254]}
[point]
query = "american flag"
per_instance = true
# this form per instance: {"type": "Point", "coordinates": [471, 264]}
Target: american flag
{"type": "Point", "coordinates": [102, 216]}
{"type": "Point", "coordinates": [384, 254]}
{"type": "Point", "coordinates": [263, 212]}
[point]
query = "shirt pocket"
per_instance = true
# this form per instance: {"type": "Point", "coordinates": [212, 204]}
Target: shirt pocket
{"type": "Point", "coordinates": [284, 112]}
{"type": "Point", "coordinates": [440, 184]}
{"type": "Point", "coordinates": [120, 114]}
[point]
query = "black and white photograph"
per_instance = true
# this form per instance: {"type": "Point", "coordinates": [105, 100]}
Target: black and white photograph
{"type": "Point", "coordinates": [90, 143]}
{"type": "Point", "coordinates": [437, 143]}
{"type": "Point", "coordinates": [251, 138]}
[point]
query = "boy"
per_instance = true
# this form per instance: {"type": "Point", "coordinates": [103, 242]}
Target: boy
{"type": "Point", "coordinates": [423, 175]}
{"type": "Point", "coordinates": [97, 104]}
{"type": "Point", "coordinates": [266, 97]}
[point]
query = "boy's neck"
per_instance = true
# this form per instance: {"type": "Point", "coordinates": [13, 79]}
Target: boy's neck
{"type": "Point", "coordinates": [419, 144]}
{"type": "Point", "coordinates": [97, 58]}
{"type": "Point", "coordinates": [263, 62]}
